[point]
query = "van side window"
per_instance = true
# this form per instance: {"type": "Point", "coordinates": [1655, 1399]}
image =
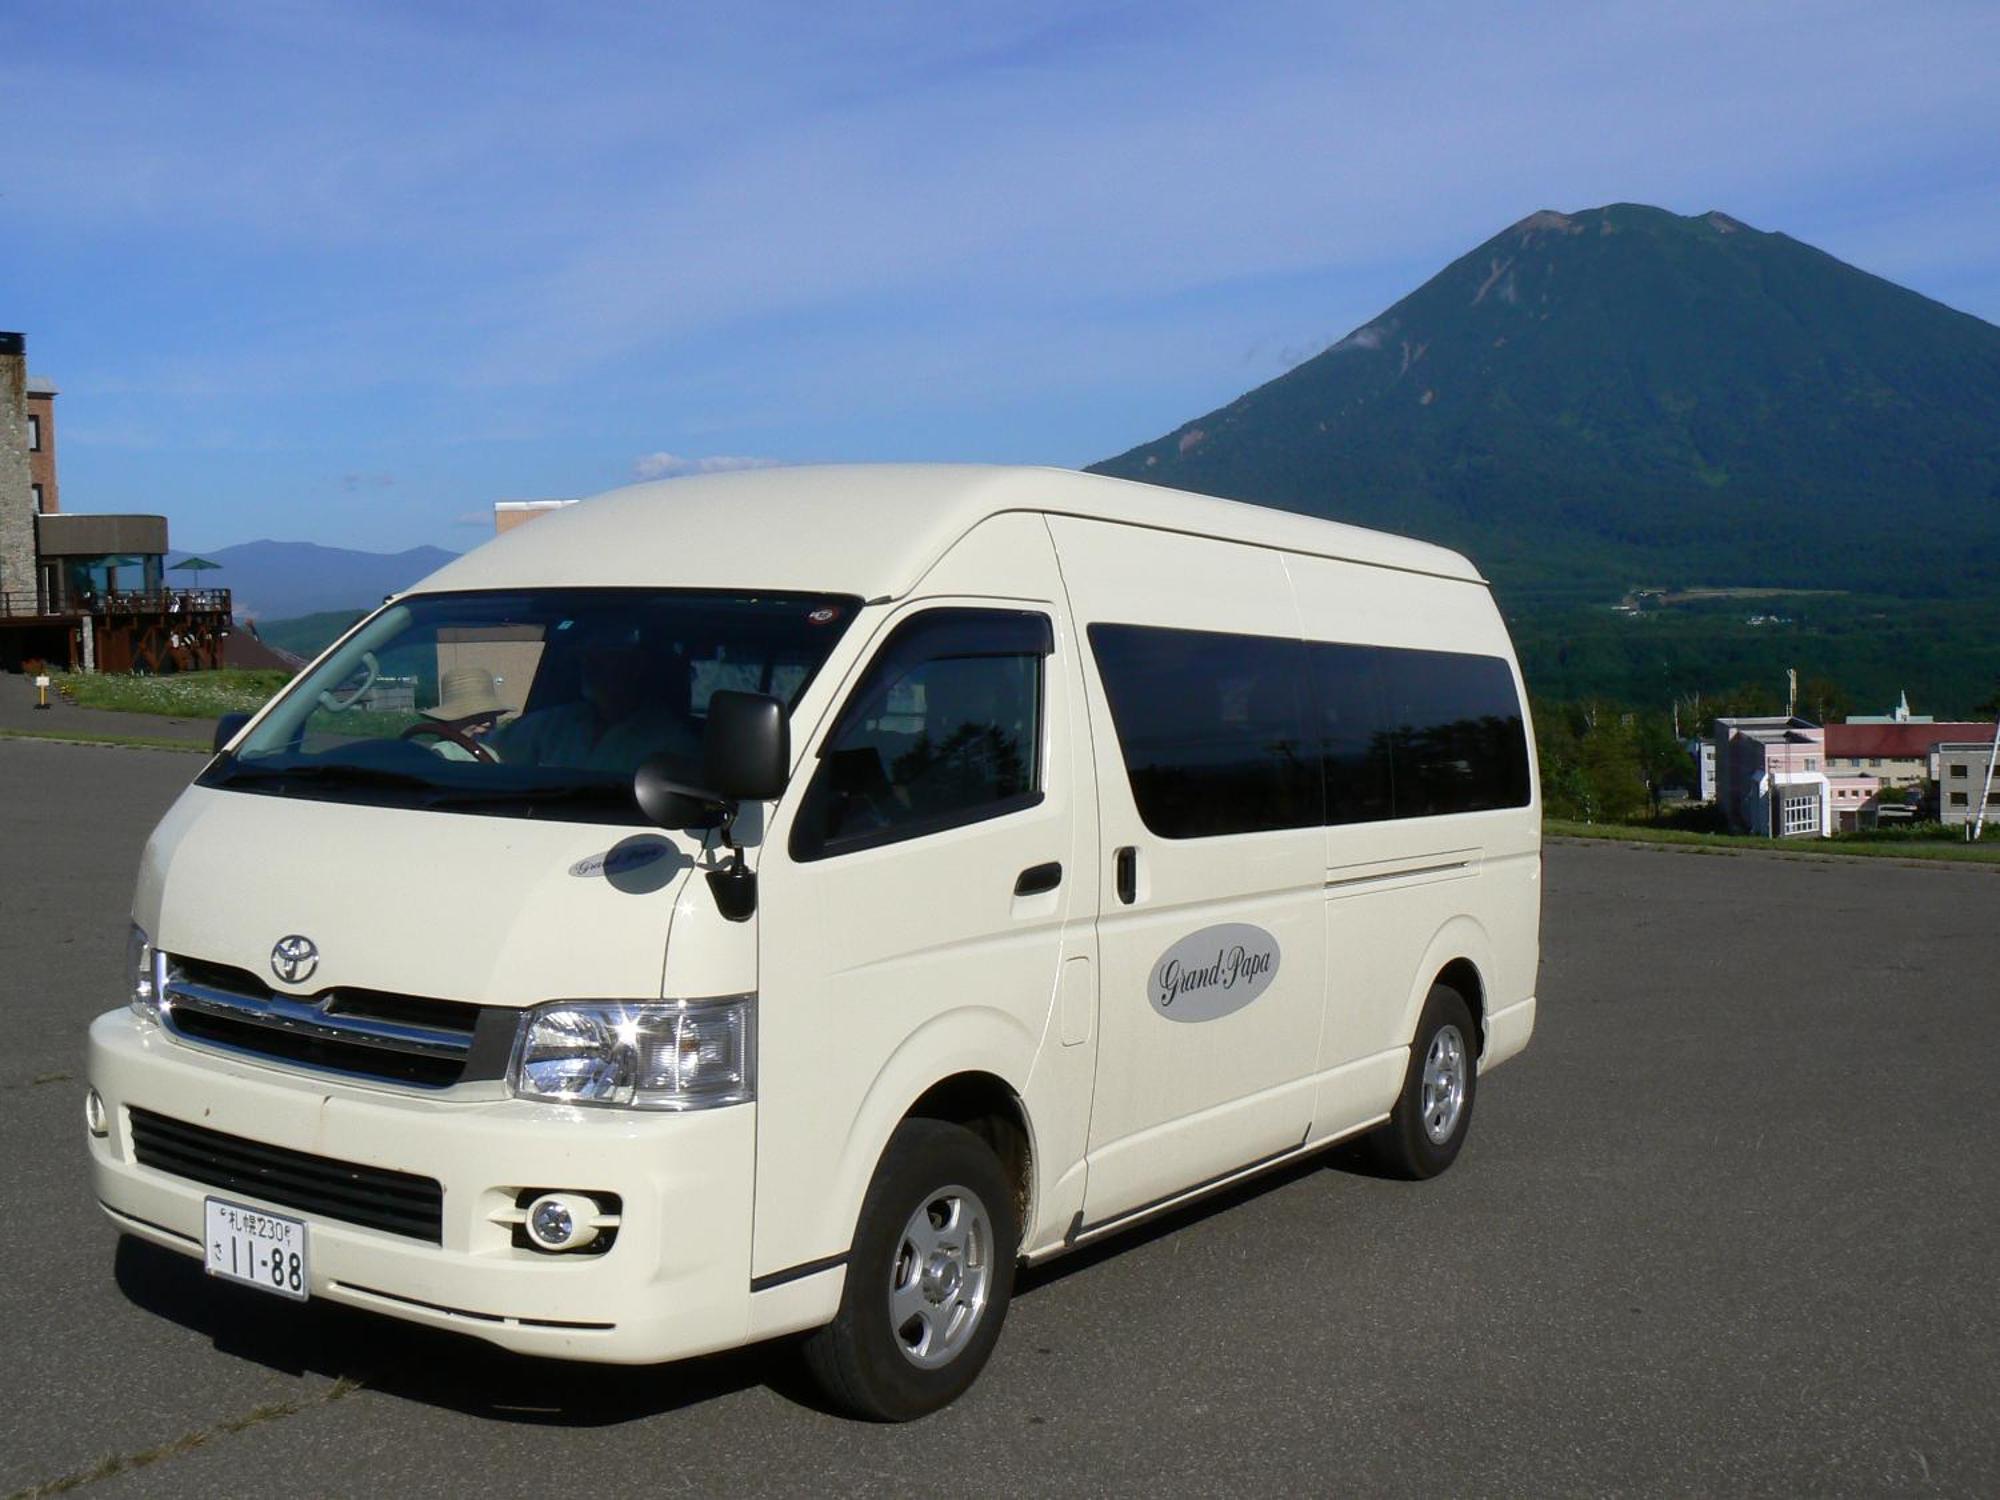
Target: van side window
{"type": "Point", "coordinates": [1459, 744]}
{"type": "Point", "coordinates": [944, 729]}
{"type": "Point", "coordinates": [1413, 734]}
{"type": "Point", "coordinates": [1212, 728]}
{"type": "Point", "coordinates": [1354, 733]}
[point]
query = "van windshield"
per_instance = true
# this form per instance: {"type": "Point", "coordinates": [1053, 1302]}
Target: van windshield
{"type": "Point", "coordinates": [532, 703]}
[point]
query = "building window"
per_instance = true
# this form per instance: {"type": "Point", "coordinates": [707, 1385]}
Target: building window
{"type": "Point", "coordinates": [38, 497]}
{"type": "Point", "coordinates": [1873, 761]}
{"type": "Point", "coordinates": [1801, 815]}
{"type": "Point", "coordinates": [1812, 762]}
{"type": "Point", "coordinates": [1959, 799]}
{"type": "Point", "coordinates": [34, 432]}
{"type": "Point", "coordinates": [1958, 770]}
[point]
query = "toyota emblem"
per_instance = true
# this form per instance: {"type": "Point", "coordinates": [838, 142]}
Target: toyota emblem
{"type": "Point", "coordinates": [294, 958]}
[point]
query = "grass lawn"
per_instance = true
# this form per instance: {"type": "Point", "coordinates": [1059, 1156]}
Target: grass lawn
{"type": "Point", "coordinates": [1986, 852]}
{"type": "Point", "coordinates": [183, 695]}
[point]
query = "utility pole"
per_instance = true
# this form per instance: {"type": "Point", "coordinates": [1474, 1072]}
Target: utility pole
{"type": "Point", "coordinates": [1979, 818]}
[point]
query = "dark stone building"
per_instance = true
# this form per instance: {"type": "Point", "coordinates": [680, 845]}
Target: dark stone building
{"type": "Point", "coordinates": [84, 592]}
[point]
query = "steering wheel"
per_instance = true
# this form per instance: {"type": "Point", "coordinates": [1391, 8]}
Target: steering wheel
{"type": "Point", "coordinates": [340, 703]}
{"type": "Point", "coordinates": [445, 732]}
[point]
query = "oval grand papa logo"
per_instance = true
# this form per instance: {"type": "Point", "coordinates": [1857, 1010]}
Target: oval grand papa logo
{"type": "Point", "coordinates": [1213, 972]}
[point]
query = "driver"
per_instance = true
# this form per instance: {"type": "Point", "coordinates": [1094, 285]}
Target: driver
{"type": "Point", "coordinates": [626, 710]}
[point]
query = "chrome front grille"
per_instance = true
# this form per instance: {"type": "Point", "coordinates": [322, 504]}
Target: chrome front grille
{"type": "Point", "coordinates": [390, 1038]}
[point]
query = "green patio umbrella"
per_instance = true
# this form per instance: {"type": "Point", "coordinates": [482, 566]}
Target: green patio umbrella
{"type": "Point", "coordinates": [194, 565]}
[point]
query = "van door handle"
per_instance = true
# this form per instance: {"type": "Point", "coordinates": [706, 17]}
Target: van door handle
{"type": "Point", "coordinates": [1127, 876]}
{"type": "Point", "coordinates": [1038, 878]}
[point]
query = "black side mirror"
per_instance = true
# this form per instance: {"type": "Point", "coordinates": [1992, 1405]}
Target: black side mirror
{"type": "Point", "coordinates": [671, 803]}
{"type": "Point", "coordinates": [747, 750]}
{"type": "Point", "coordinates": [227, 726]}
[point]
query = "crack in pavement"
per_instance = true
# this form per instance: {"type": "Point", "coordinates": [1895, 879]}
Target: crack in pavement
{"type": "Point", "coordinates": [59, 1076]}
{"type": "Point", "coordinates": [114, 1464]}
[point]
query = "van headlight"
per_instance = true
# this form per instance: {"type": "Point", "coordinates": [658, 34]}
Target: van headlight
{"type": "Point", "coordinates": [673, 1054]}
{"type": "Point", "coordinates": [146, 967]}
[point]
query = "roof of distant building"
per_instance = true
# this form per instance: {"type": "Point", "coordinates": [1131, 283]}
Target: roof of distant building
{"type": "Point", "coordinates": [41, 385]}
{"type": "Point", "coordinates": [1770, 729]}
{"type": "Point", "coordinates": [1911, 741]}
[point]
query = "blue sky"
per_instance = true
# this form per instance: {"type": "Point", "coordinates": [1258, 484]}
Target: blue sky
{"type": "Point", "coordinates": [351, 272]}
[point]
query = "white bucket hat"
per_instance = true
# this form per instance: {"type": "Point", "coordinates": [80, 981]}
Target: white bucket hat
{"type": "Point", "coordinates": [465, 693]}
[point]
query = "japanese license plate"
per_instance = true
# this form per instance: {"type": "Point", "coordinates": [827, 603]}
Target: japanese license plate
{"type": "Point", "coordinates": [264, 1250]}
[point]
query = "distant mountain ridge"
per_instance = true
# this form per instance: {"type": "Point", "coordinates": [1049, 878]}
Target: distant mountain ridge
{"type": "Point", "coordinates": [277, 580]}
{"type": "Point", "coordinates": [1625, 395]}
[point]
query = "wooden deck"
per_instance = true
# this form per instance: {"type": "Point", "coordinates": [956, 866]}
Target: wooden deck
{"type": "Point", "coordinates": [159, 631]}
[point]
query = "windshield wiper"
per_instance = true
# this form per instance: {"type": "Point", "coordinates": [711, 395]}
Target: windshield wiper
{"type": "Point", "coordinates": [616, 794]}
{"type": "Point", "coordinates": [331, 772]}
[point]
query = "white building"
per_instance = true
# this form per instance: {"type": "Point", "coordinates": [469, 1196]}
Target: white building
{"type": "Point", "coordinates": [1702, 753]}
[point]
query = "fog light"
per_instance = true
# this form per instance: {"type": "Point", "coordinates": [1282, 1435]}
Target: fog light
{"type": "Point", "coordinates": [561, 1221]}
{"type": "Point", "coordinates": [93, 1115]}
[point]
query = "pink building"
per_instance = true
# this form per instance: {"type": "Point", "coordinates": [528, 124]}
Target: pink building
{"type": "Point", "coordinates": [1771, 778]}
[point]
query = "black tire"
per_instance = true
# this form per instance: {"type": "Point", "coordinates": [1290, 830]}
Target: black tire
{"type": "Point", "coordinates": [1402, 1145]}
{"type": "Point", "coordinates": [863, 1363]}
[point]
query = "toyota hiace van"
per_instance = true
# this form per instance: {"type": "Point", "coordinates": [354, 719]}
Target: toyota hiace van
{"type": "Point", "coordinates": [785, 902]}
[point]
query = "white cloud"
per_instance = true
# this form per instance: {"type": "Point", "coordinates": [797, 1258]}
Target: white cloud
{"type": "Point", "coordinates": [673, 465]}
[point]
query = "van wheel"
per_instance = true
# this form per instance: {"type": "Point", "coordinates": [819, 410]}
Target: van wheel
{"type": "Point", "coordinates": [928, 1279]}
{"type": "Point", "coordinates": [1424, 1133]}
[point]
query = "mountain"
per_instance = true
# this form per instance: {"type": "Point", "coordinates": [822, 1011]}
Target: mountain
{"type": "Point", "coordinates": [1624, 397]}
{"type": "Point", "coordinates": [274, 580]}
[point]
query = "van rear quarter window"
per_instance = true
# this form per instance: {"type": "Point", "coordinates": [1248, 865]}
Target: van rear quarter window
{"type": "Point", "coordinates": [1225, 733]}
{"type": "Point", "coordinates": [1413, 734]}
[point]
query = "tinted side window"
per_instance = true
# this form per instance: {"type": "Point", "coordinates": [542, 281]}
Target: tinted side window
{"type": "Point", "coordinates": [1354, 733]}
{"type": "Point", "coordinates": [1212, 729]}
{"type": "Point", "coordinates": [943, 729]}
{"type": "Point", "coordinates": [1412, 734]}
{"type": "Point", "coordinates": [1459, 741]}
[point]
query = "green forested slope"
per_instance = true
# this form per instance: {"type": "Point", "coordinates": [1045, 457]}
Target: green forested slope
{"type": "Point", "coordinates": [1626, 397]}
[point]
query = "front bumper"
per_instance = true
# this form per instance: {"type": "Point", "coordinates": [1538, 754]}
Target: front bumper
{"type": "Point", "coordinates": [675, 1283]}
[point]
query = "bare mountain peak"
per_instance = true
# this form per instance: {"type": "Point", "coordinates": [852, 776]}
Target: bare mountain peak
{"type": "Point", "coordinates": [1544, 221]}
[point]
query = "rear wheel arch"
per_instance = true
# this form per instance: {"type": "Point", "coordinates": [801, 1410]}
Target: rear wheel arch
{"type": "Point", "coordinates": [1462, 977]}
{"type": "Point", "coordinates": [1460, 957]}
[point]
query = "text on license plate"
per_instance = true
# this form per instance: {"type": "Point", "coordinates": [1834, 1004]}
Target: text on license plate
{"type": "Point", "coordinates": [259, 1249]}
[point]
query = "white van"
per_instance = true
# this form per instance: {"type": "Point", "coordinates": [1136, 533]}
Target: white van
{"type": "Point", "coordinates": [787, 900]}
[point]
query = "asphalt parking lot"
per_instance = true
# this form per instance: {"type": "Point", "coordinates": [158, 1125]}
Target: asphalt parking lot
{"type": "Point", "coordinates": [1730, 1225]}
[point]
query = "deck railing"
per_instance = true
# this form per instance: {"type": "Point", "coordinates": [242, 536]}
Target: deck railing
{"type": "Point", "coordinates": [20, 603]}
{"type": "Point", "coordinates": [168, 602]}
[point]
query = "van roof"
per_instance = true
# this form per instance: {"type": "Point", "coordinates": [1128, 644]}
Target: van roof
{"type": "Point", "coordinates": [872, 530]}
